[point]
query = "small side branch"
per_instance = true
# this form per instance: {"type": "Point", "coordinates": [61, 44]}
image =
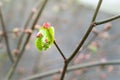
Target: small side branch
{"type": "Point", "coordinates": [87, 32]}
{"type": "Point", "coordinates": [72, 68]}
{"type": "Point", "coordinates": [108, 20]}
{"type": "Point", "coordinates": [25, 26]}
{"type": "Point", "coordinates": [5, 35]}
{"type": "Point", "coordinates": [59, 50]}
{"type": "Point", "coordinates": [83, 40]}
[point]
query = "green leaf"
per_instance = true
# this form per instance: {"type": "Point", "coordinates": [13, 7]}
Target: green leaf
{"type": "Point", "coordinates": [45, 38]}
{"type": "Point", "coordinates": [93, 48]}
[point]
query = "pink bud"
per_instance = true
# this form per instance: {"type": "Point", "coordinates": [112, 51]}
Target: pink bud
{"type": "Point", "coordinates": [16, 52]}
{"type": "Point", "coordinates": [28, 31]}
{"type": "Point", "coordinates": [110, 68]}
{"type": "Point", "coordinates": [46, 25]}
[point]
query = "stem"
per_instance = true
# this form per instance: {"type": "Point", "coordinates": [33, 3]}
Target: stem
{"type": "Point", "coordinates": [1, 37]}
{"type": "Point", "coordinates": [13, 67]}
{"type": "Point", "coordinates": [72, 68]}
{"type": "Point", "coordinates": [87, 33]}
{"type": "Point", "coordinates": [108, 20]}
{"type": "Point", "coordinates": [64, 71]}
{"type": "Point", "coordinates": [5, 35]}
{"type": "Point", "coordinates": [83, 40]}
{"type": "Point", "coordinates": [25, 26]}
{"type": "Point", "coordinates": [59, 50]}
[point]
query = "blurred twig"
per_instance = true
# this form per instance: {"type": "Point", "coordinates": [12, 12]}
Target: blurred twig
{"type": "Point", "coordinates": [27, 23]}
{"type": "Point", "coordinates": [5, 35]}
{"type": "Point", "coordinates": [72, 68]}
{"type": "Point", "coordinates": [13, 67]}
{"type": "Point", "coordinates": [25, 26]}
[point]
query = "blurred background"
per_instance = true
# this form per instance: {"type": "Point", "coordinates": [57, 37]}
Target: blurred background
{"type": "Point", "coordinates": [71, 19]}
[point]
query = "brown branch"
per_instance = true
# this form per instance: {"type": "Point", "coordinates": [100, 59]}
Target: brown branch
{"type": "Point", "coordinates": [27, 23]}
{"type": "Point", "coordinates": [59, 50]}
{"type": "Point", "coordinates": [13, 67]}
{"type": "Point", "coordinates": [64, 70]}
{"type": "Point", "coordinates": [87, 32]}
{"type": "Point", "coordinates": [5, 35]}
{"type": "Point", "coordinates": [72, 68]}
{"type": "Point", "coordinates": [108, 20]}
{"type": "Point", "coordinates": [83, 40]}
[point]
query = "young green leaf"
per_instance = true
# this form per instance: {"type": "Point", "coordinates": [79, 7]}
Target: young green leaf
{"type": "Point", "coordinates": [92, 48]}
{"type": "Point", "coordinates": [45, 37]}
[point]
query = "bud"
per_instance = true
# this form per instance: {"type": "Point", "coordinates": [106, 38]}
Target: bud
{"type": "Point", "coordinates": [94, 30]}
{"type": "Point", "coordinates": [46, 25]}
{"type": "Point", "coordinates": [34, 10]}
{"type": "Point", "coordinates": [93, 47]}
{"type": "Point", "coordinates": [107, 26]}
{"type": "Point", "coordinates": [16, 52]}
{"type": "Point", "coordinates": [110, 68]}
{"type": "Point", "coordinates": [15, 31]}
{"type": "Point", "coordinates": [21, 70]}
{"type": "Point", "coordinates": [1, 33]}
{"type": "Point", "coordinates": [29, 31]}
{"type": "Point", "coordinates": [104, 35]}
{"type": "Point", "coordinates": [37, 27]}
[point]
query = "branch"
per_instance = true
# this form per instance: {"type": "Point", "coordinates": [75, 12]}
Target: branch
{"type": "Point", "coordinates": [27, 23]}
{"type": "Point", "coordinates": [108, 20]}
{"type": "Point", "coordinates": [13, 67]}
{"type": "Point", "coordinates": [25, 26]}
{"type": "Point", "coordinates": [88, 31]}
{"type": "Point", "coordinates": [59, 50]}
{"type": "Point", "coordinates": [83, 40]}
{"type": "Point", "coordinates": [5, 35]}
{"type": "Point", "coordinates": [72, 68]}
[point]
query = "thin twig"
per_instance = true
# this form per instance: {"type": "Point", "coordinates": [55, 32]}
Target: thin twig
{"type": "Point", "coordinates": [1, 37]}
{"type": "Point", "coordinates": [27, 23]}
{"type": "Point", "coordinates": [5, 35]}
{"type": "Point", "coordinates": [108, 20]}
{"type": "Point", "coordinates": [25, 26]}
{"type": "Point", "coordinates": [64, 71]}
{"type": "Point", "coordinates": [83, 40]}
{"type": "Point", "coordinates": [72, 68]}
{"type": "Point", "coordinates": [13, 67]}
{"type": "Point", "coordinates": [87, 32]}
{"type": "Point", "coordinates": [59, 50]}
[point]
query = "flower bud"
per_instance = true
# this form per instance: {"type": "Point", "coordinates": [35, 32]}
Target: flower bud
{"type": "Point", "coordinates": [107, 26]}
{"type": "Point", "coordinates": [29, 31]}
{"type": "Point", "coordinates": [46, 25]}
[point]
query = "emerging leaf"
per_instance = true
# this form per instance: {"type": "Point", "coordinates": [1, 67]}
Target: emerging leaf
{"type": "Point", "coordinates": [92, 48]}
{"type": "Point", "coordinates": [45, 37]}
